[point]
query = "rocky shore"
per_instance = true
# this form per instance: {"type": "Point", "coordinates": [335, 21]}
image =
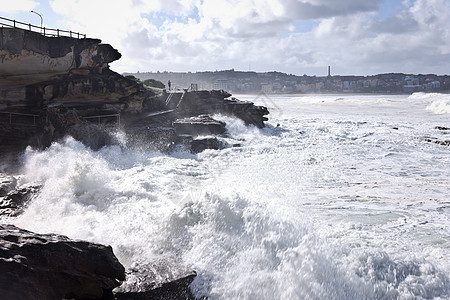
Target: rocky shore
{"type": "Point", "coordinates": [52, 87]}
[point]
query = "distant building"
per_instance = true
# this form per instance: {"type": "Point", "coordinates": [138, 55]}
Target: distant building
{"type": "Point", "coordinates": [221, 84]}
{"type": "Point", "coordinates": [412, 88]}
{"type": "Point", "coordinates": [266, 88]}
{"type": "Point", "coordinates": [411, 80]}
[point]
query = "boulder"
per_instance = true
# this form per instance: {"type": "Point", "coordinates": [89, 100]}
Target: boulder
{"type": "Point", "coordinates": [200, 125]}
{"type": "Point", "coordinates": [57, 122]}
{"type": "Point", "coordinates": [7, 184]}
{"type": "Point", "coordinates": [437, 141]}
{"type": "Point", "coordinates": [199, 145]}
{"type": "Point", "coordinates": [211, 102]}
{"type": "Point", "coordinates": [14, 199]}
{"type": "Point", "coordinates": [160, 280]}
{"type": "Point", "coordinates": [441, 128]}
{"type": "Point", "coordinates": [50, 266]}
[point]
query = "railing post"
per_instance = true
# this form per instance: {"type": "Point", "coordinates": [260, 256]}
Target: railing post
{"type": "Point", "coordinates": [29, 26]}
{"type": "Point", "coordinates": [57, 32]}
{"type": "Point", "coordinates": [14, 23]}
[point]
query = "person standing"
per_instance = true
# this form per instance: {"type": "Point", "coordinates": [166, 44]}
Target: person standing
{"type": "Point", "coordinates": [169, 83]}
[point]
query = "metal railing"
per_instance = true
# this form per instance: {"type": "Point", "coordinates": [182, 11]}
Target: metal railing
{"type": "Point", "coordinates": [51, 32]}
{"type": "Point", "coordinates": [19, 117]}
{"type": "Point", "coordinates": [104, 116]}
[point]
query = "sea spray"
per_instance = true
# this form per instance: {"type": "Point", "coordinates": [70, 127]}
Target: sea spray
{"type": "Point", "coordinates": [341, 201]}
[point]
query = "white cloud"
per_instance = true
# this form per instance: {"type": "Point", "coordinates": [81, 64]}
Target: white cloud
{"type": "Point", "coordinates": [208, 35]}
{"type": "Point", "coordinates": [15, 6]}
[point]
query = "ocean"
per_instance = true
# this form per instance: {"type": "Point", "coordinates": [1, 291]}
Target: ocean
{"type": "Point", "coordinates": [339, 197]}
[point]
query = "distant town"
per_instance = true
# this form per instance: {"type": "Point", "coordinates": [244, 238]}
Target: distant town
{"type": "Point", "coordinates": [248, 82]}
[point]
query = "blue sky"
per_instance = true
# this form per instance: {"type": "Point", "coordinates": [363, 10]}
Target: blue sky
{"type": "Point", "coordinates": [294, 36]}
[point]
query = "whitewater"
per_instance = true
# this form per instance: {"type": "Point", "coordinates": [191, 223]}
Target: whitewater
{"type": "Point", "coordinates": [339, 197]}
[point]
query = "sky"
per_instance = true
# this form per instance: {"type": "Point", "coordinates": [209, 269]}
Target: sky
{"type": "Point", "coordinates": [354, 37]}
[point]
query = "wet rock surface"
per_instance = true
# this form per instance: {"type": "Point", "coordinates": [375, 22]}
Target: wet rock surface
{"type": "Point", "coordinates": [443, 139]}
{"type": "Point", "coordinates": [201, 144]}
{"type": "Point", "coordinates": [211, 102]}
{"type": "Point", "coordinates": [437, 141]}
{"type": "Point", "coordinates": [50, 266]}
{"type": "Point", "coordinates": [200, 125]}
{"type": "Point", "coordinates": [158, 280]}
{"type": "Point", "coordinates": [13, 199]}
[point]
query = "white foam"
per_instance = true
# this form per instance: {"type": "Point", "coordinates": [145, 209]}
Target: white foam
{"type": "Point", "coordinates": [441, 106]}
{"type": "Point", "coordinates": [333, 204]}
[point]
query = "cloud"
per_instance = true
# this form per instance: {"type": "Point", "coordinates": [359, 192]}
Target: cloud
{"type": "Point", "coordinates": [191, 35]}
{"type": "Point", "coordinates": [317, 9]}
{"type": "Point", "coordinates": [15, 6]}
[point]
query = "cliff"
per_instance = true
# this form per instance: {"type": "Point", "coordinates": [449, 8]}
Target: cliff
{"type": "Point", "coordinates": [37, 71]}
{"type": "Point", "coordinates": [56, 86]}
{"type": "Point", "coordinates": [53, 86]}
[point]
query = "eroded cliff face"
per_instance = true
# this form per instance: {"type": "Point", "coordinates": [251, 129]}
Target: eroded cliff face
{"type": "Point", "coordinates": [25, 52]}
{"type": "Point", "coordinates": [38, 71]}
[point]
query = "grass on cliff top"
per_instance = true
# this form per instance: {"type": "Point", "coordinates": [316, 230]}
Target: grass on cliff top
{"type": "Point", "coordinates": [154, 89]}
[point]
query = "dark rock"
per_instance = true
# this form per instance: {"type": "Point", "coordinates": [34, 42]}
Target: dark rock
{"type": "Point", "coordinates": [149, 138]}
{"type": "Point", "coordinates": [200, 125]}
{"type": "Point", "coordinates": [211, 102]}
{"type": "Point", "coordinates": [15, 200]}
{"type": "Point", "coordinates": [199, 145]}
{"type": "Point", "coordinates": [441, 128]}
{"type": "Point", "coordinates": [436, 141]}
{"type": "Point", "coordinates": [7, 184]}
{"type": "Point", "coordinates": [160, 280]}
{"type": "Point", "coordinates": [50, 266]}
{"type": "Point", "coordinates": [443, 143]}
{"type": "Point", "coordinates": [57, 122]}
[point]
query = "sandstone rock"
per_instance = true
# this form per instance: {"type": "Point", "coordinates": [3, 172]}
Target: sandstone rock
{"type": "Point", "coordinates": [59, 81]}
{"type": "Point", "coordinates": [160, 280]}
{"type": "Point", "coordinates": [200, 125]}
{"type": "Point", "coordinates": [58, 122]}
{"type": "Point", "coordinates": [50, 266]}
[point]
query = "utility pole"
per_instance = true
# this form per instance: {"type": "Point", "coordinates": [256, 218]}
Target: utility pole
{"type": "Point", "coordinates": [40, 17]}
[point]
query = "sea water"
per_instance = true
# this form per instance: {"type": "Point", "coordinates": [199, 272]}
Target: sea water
{"type": "Point", "coordinates": [339, 197]}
